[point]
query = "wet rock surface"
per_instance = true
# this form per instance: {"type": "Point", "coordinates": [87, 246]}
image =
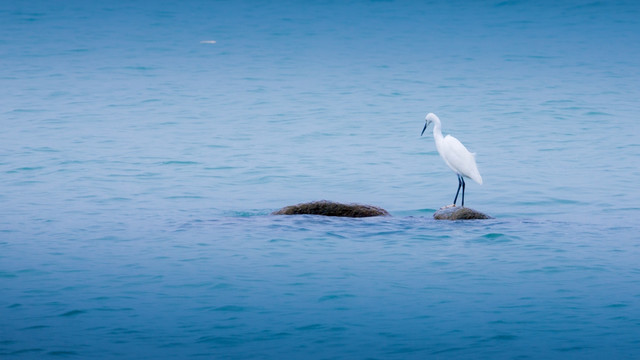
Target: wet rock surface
{"type": "Point", "coordinates": [330, 208]}
{"type": "Point", "coordinates": [459, 213]}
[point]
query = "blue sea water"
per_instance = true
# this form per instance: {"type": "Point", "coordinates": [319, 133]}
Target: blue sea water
{"type": "Point", "coordinates": [139, 162]}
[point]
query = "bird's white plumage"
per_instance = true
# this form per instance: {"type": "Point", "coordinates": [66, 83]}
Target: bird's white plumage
{"type": "Point", "coordinates": [459, 158]}
{"type": "Point", "coordinates": [454, 154]}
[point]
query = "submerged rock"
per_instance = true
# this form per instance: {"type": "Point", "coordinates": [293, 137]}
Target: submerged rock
{"type": "Point", "coordinates": [330, 208]}
{"type": "Point", "coordinates": [452, 212]}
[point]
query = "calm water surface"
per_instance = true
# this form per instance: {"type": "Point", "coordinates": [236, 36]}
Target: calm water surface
{"type": "Point", "coordinates": [139, 165]}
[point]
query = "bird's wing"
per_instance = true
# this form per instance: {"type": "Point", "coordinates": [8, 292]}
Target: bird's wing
{"type": "Point", "coordinates": [460, 159]}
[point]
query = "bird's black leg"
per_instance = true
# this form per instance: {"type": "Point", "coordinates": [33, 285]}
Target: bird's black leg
{"type": "Point", "coordinates": [457, 192]}
{"type": "Point", "coordinates": [461, 178]}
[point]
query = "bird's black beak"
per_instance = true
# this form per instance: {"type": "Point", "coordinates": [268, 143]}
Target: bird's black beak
{"type": "Point", "coordinates": [423, 129]}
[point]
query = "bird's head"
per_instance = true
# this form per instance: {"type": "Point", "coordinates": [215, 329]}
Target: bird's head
{"type": "Point", "coordinates": [431, 117]}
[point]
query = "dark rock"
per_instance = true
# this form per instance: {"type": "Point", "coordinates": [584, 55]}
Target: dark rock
{"type": "Point", "coordinates": [330, 208]}
{"type": "Point", "coordinates": [459, 213]}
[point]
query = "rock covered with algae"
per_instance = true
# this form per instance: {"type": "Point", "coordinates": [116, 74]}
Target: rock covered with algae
{"type": "Point", "coordinates": [330, 208]}
{"type": "Point", "coordinates": [452, 212]}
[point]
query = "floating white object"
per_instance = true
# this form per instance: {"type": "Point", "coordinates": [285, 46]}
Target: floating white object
{"type": "Point", "coordinates": [207, 42]}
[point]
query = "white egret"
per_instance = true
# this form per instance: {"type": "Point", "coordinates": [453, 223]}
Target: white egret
{"type": "Point", "coordinates": [454, 154]}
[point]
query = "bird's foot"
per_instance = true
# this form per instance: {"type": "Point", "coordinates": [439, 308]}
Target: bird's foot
{"type": "Point", "coordinates": [448, 206]}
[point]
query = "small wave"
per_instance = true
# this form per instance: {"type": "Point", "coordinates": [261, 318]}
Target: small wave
{"type": "Point", "coordinates": [72, 313]}
{"type": "Point", "coordinates": [178, 162]}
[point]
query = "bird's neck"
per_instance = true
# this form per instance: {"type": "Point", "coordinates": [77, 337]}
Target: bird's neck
{"type": "Point", "coordinates": [437, 133]}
